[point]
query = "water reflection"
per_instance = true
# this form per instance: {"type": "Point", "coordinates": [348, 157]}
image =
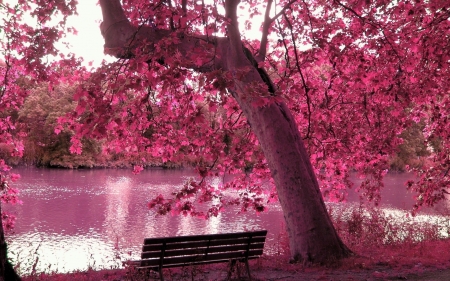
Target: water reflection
{"type": "Point", "coordinates": [76, 219]}
{"type": "Point", "coordinates": [118, 198]}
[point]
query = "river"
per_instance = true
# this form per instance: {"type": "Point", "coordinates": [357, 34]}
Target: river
{"type": "Point", "coordinates": [79, 219]}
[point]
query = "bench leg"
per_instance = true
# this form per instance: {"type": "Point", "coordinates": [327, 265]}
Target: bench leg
{"type": "Point", "coordinates": [238, 271]}
{"type": "Point", "coordinates": [230, 270]}
{"type": "Point", "coordinates": [233, 264]}
{"type": "Point", "coordinates": [161, 277]}
{"type": "Point", "coordinates": [248, 270]}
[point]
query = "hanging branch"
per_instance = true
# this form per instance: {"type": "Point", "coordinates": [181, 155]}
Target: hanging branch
{"type": "Point", "coordinates": [305, 86]}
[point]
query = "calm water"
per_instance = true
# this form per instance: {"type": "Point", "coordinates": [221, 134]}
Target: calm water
{"type": "Point", "coordinates": [76, 219]}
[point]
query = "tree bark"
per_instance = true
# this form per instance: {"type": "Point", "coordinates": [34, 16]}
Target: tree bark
{"type": "Point", "coordinates": [312, 236]}
{"type": "Point", "coordinates": [7, 272]}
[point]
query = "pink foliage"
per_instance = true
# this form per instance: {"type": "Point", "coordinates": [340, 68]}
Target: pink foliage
{"type": "Point", "coordinates": [9, 195]}
{"type": "Point", "coordinates": [23, 48]}
{"type": "Point", "coordinates": [137, 169]}
{"type": "Point", "coordinates": [355, 74]}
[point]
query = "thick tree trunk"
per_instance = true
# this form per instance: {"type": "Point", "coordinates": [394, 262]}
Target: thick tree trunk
{"type": "Point", "coordinates": [7, 272]}
{"type": "Point", "coordinates": [311, 233]}
{"type": "Point", "coordinates": [312, 237]}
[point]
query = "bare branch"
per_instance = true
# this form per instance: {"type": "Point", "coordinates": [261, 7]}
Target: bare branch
{"type": "Point", "coordinates": [305, 86]}
{"type": "Point", "coordinates": [286, 56]}
{"type": "Point", "coordinates": [265, 32]}
{"type": "Point", "coordinates": [266, 25]}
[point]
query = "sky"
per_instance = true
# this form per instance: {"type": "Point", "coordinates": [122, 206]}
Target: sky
{"type": "Point", "coordinates": [88, 43]}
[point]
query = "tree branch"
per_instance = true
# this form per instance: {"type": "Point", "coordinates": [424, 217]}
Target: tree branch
{"type": "Point", "coordinates": [122, 39]}
{"type": "Point", "coordinates": [233, 33]}
{"type": "Point", "coordinates": [183, 6]}
{"type": "Point", "coordinates": [305, 86]}
{"type": "Point", "coordinates": [374, 24]}
{"type": "Point", "coordinates": [266, 25]}
{"type": "Point", "coordinates": [265, 32]}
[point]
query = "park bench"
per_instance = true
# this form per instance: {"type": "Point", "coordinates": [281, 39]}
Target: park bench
{"type": "Point", "coordinates": [180, 251]}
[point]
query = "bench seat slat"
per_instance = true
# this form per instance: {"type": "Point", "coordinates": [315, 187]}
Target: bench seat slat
{"type": "Point", "coordinates": [204, 237]}
{"type": "Point", "coordinates": [202, 250]}
{"type": "Point", "coordinates": [200, 259]}
{"type": "Point", "coordinates": [170, 245]}
{"type": "Point", "coordinates": [155, 267]}
{"type": "Point", "coordinates": [192, 244]}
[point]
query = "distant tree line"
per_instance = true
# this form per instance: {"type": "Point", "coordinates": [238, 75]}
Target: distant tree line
{"type": "Point", "coordinates": [38, 118]}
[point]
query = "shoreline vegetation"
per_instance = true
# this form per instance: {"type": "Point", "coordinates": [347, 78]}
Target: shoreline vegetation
{"type": "Point", "coordinates": [73, 162]}
{"type": "Point", "coordinates": [78, 162]}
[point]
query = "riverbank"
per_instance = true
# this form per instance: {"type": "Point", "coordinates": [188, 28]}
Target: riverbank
{"type": "Point", "coordinates": [429, 260]}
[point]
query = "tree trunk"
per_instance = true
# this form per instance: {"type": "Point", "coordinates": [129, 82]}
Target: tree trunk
{"type": "Point", "coordinates": [7, 272]}
{"type": "Point", "coordinates": [312, 235]}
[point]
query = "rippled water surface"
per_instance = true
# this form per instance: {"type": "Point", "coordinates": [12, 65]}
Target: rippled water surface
{"type": "Point", "coordinates": [76, 219]}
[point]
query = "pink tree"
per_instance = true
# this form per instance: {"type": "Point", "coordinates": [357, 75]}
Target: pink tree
{"type": "Point", "coordinates": [369, 69]}
{"type": "Point", "coordinates": [11, 97]}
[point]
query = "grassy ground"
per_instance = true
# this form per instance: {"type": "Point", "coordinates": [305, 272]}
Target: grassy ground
{"type": "Point", "coordinates": [386, 246]}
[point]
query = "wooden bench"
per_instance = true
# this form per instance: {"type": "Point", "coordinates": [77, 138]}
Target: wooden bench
{"type": "Point", "coordinates": [165, 252]}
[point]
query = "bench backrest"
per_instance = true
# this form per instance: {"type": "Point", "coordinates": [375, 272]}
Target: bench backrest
{"type": "Point", "coordinates": [200, 249]}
